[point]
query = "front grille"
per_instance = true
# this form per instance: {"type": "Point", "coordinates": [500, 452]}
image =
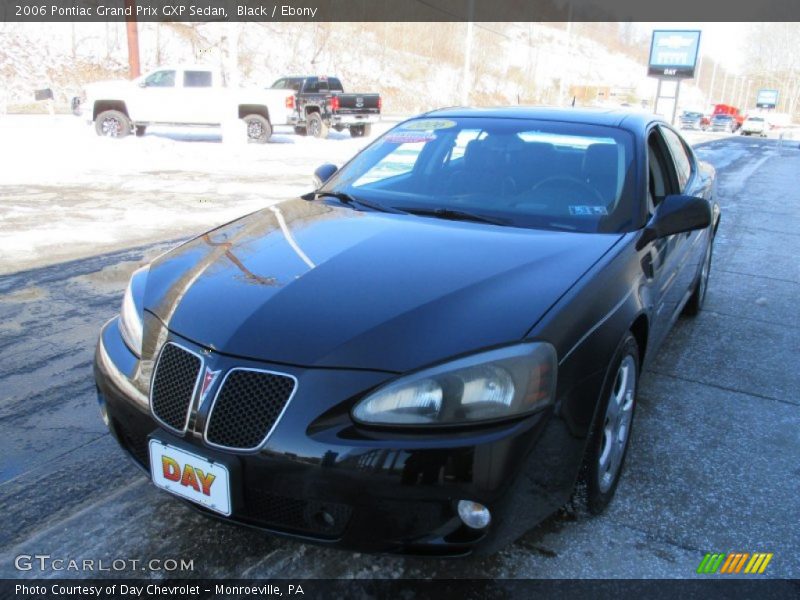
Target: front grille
{"type": "Point", "coordinates": [247, 407]}
{"type": "Point", "coordinates": [327, 519]}
{"type": "Point", "coordinates": [174, 382]}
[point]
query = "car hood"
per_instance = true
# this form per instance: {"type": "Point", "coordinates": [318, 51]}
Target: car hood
{"type": "Point", "coordinates": [321, 285]}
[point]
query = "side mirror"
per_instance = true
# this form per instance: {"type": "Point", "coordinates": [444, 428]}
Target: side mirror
{"type": "Point", "coordinates": [676, 214]}
{"type": "Point", "coordinates": [323, 173]}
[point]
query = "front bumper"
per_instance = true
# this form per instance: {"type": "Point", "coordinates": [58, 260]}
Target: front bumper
{"type": "Point", "coordinates": [386, 492]}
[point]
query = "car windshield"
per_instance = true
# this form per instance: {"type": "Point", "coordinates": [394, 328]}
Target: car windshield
{"type": "Point", "coordinates": [756, 120]}
{"type": "Point", "coordinates": [692, 115]}
{"type": "Point", "coordinates": [524, 173]}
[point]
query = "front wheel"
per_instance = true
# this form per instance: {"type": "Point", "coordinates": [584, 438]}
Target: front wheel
{"type": "Point", "coordinates": [611, 432]}
{"type": "Point", "coordinates": [258, 129]}
{"type": "Point", "coordinates": [112, 123]}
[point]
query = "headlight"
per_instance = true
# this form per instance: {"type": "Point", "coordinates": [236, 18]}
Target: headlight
{"type": "Point", "coordinates": [498, 384]}
{"type": "Point", "coordinates": [131, 313]}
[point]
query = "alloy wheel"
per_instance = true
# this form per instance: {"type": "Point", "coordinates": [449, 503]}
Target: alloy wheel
{"type": "Point", "coordinates": [617, 423]}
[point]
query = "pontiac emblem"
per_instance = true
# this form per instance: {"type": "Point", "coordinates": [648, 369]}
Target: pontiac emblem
{"type": "Point", "coordinates": [208, 382]}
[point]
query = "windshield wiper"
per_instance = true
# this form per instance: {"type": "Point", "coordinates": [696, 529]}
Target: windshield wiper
{"type": "Point", "coordinates": [352, 200]}
{"type": "Point", "coordinates": [455, 215]}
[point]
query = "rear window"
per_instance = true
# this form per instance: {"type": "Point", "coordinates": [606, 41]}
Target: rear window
{"type": "Point", "coordinates": [756, 120]}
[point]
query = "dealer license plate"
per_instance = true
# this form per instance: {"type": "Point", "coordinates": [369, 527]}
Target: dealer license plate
{"type": "Point", "coordinates": [191, 476]}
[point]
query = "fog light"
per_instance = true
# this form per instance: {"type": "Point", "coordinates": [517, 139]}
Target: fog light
{"type": "Point", "coordinates": [474, 515]}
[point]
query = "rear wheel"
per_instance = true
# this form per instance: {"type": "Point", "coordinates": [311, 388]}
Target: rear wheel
{"type": "Point", "coordinates": [300, 130]}
{"type": "Point", "coordinates": [611, 432]}
{"type": "Point", "coordinates": [316, 126]}
{"type": "Point", "coordinates": [357, 131]}
{"type": "Point", "coordinates": [258, 129]}
{"type": "Point", "coordinates": [112, 123]}
{"type": "Point", "coordinates": [141, 130]}
{"type": "Point", "coordinates": [698, 297]}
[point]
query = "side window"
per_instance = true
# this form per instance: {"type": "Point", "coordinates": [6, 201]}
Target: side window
{"type": "Point", "coordinates": [683, 163]}
{"type": "Point", "coordinates": [314, 86]}
{"type": "Point", "coordinates": [197, 79]}
{"type": "Point", "coordinates": [335, 85]}
{"type": "Point", "coordinates": [281, 84]}
{"type": "Point", "coordinates": [160, 79]}
{"type": "Point", "coordinates": [661, 176]}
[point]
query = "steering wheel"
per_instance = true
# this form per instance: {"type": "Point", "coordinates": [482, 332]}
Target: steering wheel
{"type": "Point", "coordinates": [578, 190]}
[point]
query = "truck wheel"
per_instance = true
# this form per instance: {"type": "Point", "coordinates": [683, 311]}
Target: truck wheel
{"type": "Point", "coordinates": [316, 126]}
{"type": "Point", "coordinates": [300, 131]}
{"type": "Point", "coordinates": [356, 131]}
{"type": "Point", "coordinates": [141, 130]}
{"type": "Point", "coordinates": [112, 123]}
{"type": "Point", "coordinates": [258, 129]}
{"type": "Point", "coordinates": [366, 129]}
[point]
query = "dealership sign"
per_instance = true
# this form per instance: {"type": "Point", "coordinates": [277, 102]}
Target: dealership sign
{"type": "Point", "coordinates": [673, 54]}
{"type": "Point", "coordinates": [767, 99]}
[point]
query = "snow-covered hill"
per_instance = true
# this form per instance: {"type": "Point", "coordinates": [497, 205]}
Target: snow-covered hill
{"type": "Point", "coordinates": [416, 66]}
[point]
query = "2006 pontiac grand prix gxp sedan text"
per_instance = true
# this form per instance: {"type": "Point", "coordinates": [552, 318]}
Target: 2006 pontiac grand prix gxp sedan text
{"type": "Point", "coordinates": [429, 352]}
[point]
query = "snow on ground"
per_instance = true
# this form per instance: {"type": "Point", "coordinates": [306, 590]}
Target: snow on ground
{"type": "Point", "coordinates": [66, 193]}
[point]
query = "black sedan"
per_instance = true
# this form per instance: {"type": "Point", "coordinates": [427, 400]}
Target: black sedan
{"type": "Point", "coordinates": [430, 352]}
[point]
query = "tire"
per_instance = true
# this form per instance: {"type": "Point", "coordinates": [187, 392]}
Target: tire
{"type": "Point", "coordinates": [141, 130]}
{"type": "Point", "coordinates": [316, 126]}
{"type": "Point", "coordinates": [112, 123]}
{"type": "Point", "coordinates": [605, 453]}
{"type": "Point", "coordinates": [367, 129]}
{"type": "Point", "coordinates": [300, 130]}
{"type": "Point", "coordinates": [357, 131]}
{"type": "Point", "coordinates": [695, 303]}
{"type": "Point", "coordinates": [259, 129]}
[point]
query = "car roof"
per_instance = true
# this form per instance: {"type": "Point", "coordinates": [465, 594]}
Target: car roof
{"type": "Point", "coordinates": [632, 120]}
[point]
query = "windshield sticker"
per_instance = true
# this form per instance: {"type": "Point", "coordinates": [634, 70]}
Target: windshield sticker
{"type": "Point", "coordinates": [428, 125]}
{"type": "Point", "coordinates": [587, 210]}
{"type": "Point", "coordinates": [409, 137]}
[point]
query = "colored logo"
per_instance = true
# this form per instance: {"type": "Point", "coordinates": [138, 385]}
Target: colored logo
{"type": "Point", "coordinates": [208, 381]}
{"type": "Point", "coordinates": [735, 562]}
{"type": "Point", "coordinates": [189, 476]}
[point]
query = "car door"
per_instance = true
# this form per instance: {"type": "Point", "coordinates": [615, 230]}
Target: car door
{"type": "Point", "coordinates": [201, 101]}
{"type": "Point", "coordinates": [153, 100]}
{"type": "Point", "coordinates": [692, 242]}
{"type": "Point", "coordinates": [665, 256]}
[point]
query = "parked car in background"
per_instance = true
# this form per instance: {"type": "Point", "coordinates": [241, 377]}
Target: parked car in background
{"type": "Point", "coordinates": [722, 122]}
{"type": "Point", "coordinates": [428, 351]}
{"type": "Point", "coordinates": [693, 120]}
{"type": "Point", "coordinates": [755, 125]}
{"type": "Point", "coordinates": [732, 111]}
{"type": "Point", "coordinates": [181, 95]}
{"type": "Point", "coordinates": [321, 103]}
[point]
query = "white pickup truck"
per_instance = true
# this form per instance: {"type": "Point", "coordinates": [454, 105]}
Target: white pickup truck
{"type": "Point", "coordinates": [181, 95]}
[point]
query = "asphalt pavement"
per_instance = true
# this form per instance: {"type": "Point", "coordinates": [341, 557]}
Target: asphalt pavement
{"type": "Point", "coordinates": [713, 464]}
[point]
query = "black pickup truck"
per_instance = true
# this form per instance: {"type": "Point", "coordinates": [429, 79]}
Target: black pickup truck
{"type": "Point", "coordinates": [320, 103]}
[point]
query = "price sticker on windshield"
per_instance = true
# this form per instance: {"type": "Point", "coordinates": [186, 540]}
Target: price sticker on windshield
{"type": "Point", "coordinates": [428, 125]}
